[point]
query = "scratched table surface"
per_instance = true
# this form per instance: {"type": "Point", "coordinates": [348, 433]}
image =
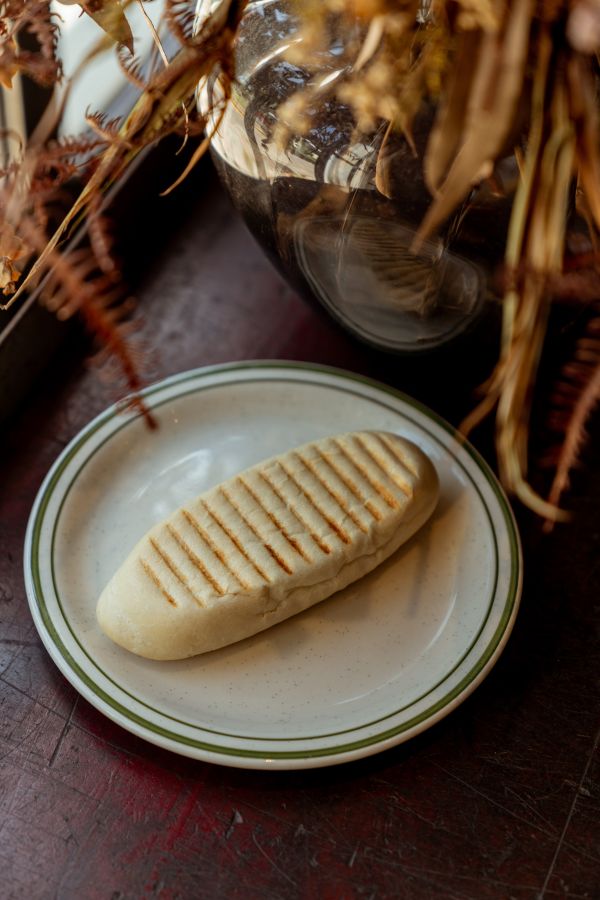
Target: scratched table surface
{"type": "Point", "coordinates": [500, 799]}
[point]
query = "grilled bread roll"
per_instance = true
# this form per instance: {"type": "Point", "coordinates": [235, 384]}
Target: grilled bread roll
{"type": "Point", "coordinates": [267, 544]}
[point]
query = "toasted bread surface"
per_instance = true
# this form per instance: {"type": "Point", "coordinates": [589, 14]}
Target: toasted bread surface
{"type": "Point", "coordinates": [267, 544]}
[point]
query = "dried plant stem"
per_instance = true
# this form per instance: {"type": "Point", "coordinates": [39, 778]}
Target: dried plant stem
{"type": "Point", "coordinates": [495, 70]}
{"type": "Point", "coordinates": [535, 249]}
{"type": "Point", "coordinates": [496, 83]}
{"type": "Point", "coordinates": [205, 143]}
{"type": "Point", "coordinates": [71, 289]}
{"type": "Point", "coordinates": [148, 121]}
{"type": "Point", "coordinates": [574, 437]}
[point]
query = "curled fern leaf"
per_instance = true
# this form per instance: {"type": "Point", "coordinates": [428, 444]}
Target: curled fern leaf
{"type": "Point", "coordinates": [35, 17]}
{"type": "Point", "coordinates": [180, 17]}
{"type": "Point", "coordinates": [69, 147]}
{"type": "Point", "coordinates": [101, 240]}
{"type": "Point", "coordinates": [107, 129]}
{"type": "Point", "coordinates": [43, 24]}
{"type": "Point", "coordinates": [132, 69]}
{"type": "Point", "coordinates": [79, 282]}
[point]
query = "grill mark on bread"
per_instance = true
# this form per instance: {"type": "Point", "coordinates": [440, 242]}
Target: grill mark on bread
{"type": "Point", "coordinates": [278, 525]}
{"type": "Point", "coordinates": [380, 488]}
{"type": "Point", "coordinates": [299, 493]}
{"type": "Point", "coordinates": [195, 559]}
{"type": "Point", "coordinates": [195, 524]}
{"type": "Point", "coordinates": [327, 519]}
{"type": "Point", "coordinates": [278, 559]}
{"type": "Point", "coordinates": [351, 485]}
{"type": "Point", "coordinates": [235, 539]}
{"type": "Point", "coordinates": [299, 518]}
{"type": "Point", "coordinates": [403, 475]}
{"type": "Point", "coordinates": [171, 565]}
{"type": "Point", "coordinates": [154, 578]}
{"type": "Point", "coordinates": [332, 492]}
{"type": "Point", "coordinates": [402, 462]}
{"type": "Point", "coordinates": [381, 465]}
{"type": "Point", "coordinates": [268, 547]}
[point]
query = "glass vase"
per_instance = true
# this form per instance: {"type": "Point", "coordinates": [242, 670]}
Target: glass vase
{"type": "Point", "coordinates": [317, 206]}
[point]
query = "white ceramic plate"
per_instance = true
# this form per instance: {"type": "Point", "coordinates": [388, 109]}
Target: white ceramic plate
{"type": "Point", "coordinates": [372, 666]}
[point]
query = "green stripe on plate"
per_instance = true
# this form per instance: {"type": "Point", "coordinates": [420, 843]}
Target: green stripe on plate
{"type": "Point", "coordinates": [62, 655]}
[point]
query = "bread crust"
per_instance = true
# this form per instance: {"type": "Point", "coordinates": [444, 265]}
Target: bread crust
{"type": "Point", "coordinates": [268, 544]}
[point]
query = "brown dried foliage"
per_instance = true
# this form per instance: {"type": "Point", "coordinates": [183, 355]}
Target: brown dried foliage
{"type": "Point", "coordinates": [506, 76]}
{"type": "Point", "coordinates": [34, 17]}
{"type": "Point", "coordinates": [514, 76]}
{"type": "Point", "coordinates": [86, 281]}
{"type": "Point", "coordinates": [575, 397]}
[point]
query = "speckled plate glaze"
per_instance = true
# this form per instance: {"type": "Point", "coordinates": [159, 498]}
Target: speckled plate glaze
{"type": "Point", "coordinates": [367, 669]}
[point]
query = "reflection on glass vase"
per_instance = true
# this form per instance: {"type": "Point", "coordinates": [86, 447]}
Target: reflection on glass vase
{"type": "Point", "coordinates": [319, 209]}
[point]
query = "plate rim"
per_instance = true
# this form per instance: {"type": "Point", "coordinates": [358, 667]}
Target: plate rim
{"type": "Point", "coordinates": [247, 757]}
{"type": "Point", "coordinates": [223, 734]}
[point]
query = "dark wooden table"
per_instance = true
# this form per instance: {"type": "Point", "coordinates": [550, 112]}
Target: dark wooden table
{"type": "Point", "coordinates": [499, 800]}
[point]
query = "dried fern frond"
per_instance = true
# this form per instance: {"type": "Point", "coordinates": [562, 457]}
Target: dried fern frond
{"type": "Point", "coordinates": [76, 284]}
{"type": "Point", "coordinates": [108, 129]}
{"type": "Point", "coordinates": [35, 17]}
{"type": "Point", "coordinates": [100, 236]}
{"type": "Point", "coordinates": [133, 69]}
{"type": "Point", "coordinates": [157, 113]}
{"type": "Point", "coordinates": [575, 398]}
{"type": "Point", "coordinates": [43, 25]}
{"type": "Point", "coordinates": [71, 147]}
{"type": "Point", "coordinates": [180, 17]}
{"type": "Point", "coordinates": [85, 281]}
